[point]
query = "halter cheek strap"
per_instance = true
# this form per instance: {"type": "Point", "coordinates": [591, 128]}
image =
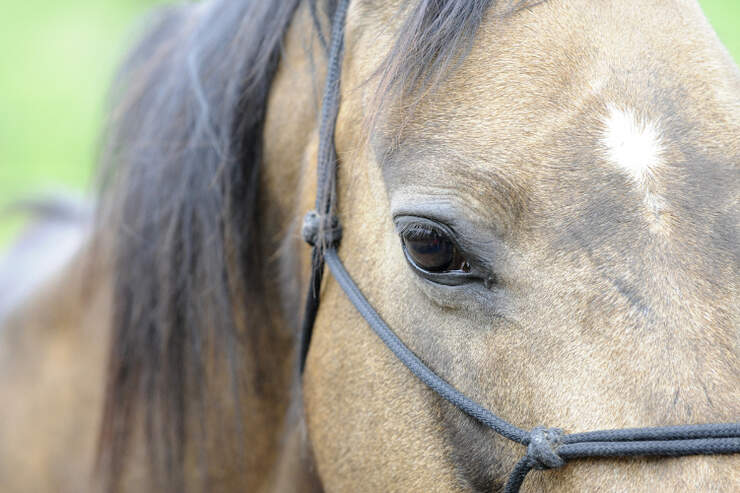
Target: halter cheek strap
{"type": "Point", "coordinates": [547, 448]}
{"type": "Point", "coordinates": [321, 228]}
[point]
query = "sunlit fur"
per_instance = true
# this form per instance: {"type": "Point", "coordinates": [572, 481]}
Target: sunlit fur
{"type": "Point", "coordinates": [606, 313]}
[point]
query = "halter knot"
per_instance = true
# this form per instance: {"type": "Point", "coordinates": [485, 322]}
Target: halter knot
{"type": "Point", "coordinates": [542, 449]}
{"type": "Point", "coordinates": [331, 233]}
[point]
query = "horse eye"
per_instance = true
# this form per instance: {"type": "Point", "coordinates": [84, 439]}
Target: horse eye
{"type": "Point", "coordinates": [432, 250]}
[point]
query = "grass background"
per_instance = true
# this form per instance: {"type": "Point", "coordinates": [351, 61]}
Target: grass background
{"type": "Point", "coordinates": [56, 61]}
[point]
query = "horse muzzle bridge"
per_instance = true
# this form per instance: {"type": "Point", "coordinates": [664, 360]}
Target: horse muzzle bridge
{"type": "Point", "coordinates": [547, 448]}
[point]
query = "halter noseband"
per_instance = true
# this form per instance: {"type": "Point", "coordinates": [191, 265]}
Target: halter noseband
{"type": "Point", "coordinates": [547, 448]}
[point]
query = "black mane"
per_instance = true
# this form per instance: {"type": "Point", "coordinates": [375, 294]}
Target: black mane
{"type": "Point", "coordinates": [179, 201]}
{"type": "Point", "coordinates": [180, 188]}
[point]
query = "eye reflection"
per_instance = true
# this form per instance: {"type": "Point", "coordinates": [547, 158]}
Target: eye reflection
{"type": "Point", "coordinates": [432, 250]}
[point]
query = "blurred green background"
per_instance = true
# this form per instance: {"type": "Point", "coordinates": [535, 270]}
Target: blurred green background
{"type": "Point", "coordinates": [56, 61]}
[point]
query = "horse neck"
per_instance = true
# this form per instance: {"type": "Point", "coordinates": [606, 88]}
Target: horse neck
{"type": "Point", "coordinates": [286, 192]}
{"type": "Point", "coordinates": [288, 174]}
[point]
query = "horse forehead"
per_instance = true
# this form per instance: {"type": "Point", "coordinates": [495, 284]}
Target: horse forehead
{"type": "Point", "coordinates": [610, 144]}
{"type": "Point", "coordinates": [607, 83]}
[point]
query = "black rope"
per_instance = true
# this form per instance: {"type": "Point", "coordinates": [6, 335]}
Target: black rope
{"type": "Point", "coordinates": [327, 156]}
{"type": "Point", "coordinates": [547, 448]}
{"type": "Point", "coordinates": [320, 227]}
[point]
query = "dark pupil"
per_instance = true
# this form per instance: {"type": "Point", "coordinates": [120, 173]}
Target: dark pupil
{"type": "Point", "coordinates": [433, 253]}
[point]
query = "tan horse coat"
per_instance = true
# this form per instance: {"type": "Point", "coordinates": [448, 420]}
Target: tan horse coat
{"type": "Point", "coordinates": [617, 304]}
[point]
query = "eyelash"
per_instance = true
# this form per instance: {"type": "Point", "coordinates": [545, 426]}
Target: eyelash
{"type": "Point", "coordinates": [419, 231]}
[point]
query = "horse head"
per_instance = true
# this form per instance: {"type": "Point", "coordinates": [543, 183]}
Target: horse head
{"type": "Point", "coordinates": [541, 200]}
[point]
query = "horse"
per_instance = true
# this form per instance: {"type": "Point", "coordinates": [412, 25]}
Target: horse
{"type": "Point", "coordinates": [540, 197]}
{"type": "Point", "coordinates": [61, 221]}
